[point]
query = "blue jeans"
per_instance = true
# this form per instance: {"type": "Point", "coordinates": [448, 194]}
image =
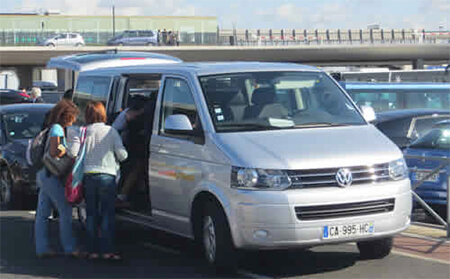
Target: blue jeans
{"type": "Point", "coordinates": [51, 192]}
{"type": "Point", "coordinates": [100, 195]}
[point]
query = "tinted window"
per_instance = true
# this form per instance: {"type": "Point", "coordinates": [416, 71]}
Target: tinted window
{"type": "Point", "coordinates": [145, 33]}
{"type": "Point", "coordinates": [177, 99]}
{"type": "Point", "coordinates": [130, 34]}
{"type": "Point", "coordinates": [378, 101]}
{"type": "Point", "coordinates": [24, 125]}
{"type": "Point", "coordinates": [435, 139]}
{"type": "Point", "coordinates": [426, 100]}
{"type": "Point", "coordinates": [423, 125]}
{"type": "Point", "coordinates": [396, 130]}
{"type": "Point", "coordinates": [91, 89]}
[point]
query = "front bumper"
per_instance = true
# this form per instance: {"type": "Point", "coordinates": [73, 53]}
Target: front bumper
{"type": "Point", "coordinates": [267, 220]}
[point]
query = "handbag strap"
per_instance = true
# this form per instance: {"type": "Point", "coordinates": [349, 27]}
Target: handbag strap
{"type": "Point", "coordinates": [82, 139]}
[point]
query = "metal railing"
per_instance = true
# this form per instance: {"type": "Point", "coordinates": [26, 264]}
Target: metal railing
{"type": "Point", "coordinates": [444, 162]}
{"type": "Point", "coordinates": [248, 37]}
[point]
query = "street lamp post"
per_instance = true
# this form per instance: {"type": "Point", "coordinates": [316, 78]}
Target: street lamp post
{"type": "Point", "coordinates": [114, 19]}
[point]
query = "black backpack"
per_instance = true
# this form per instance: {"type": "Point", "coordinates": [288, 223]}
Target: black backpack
{"type": "Point", "coordinates": [37, 148]}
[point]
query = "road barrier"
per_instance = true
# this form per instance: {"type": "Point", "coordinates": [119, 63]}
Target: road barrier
{"type": "Point", "coordinates": [444, 162]}
{"type": "Point", "coordinates": [243, 37]}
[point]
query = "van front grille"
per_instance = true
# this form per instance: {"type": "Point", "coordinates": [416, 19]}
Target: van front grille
{"type": "Point", "coordinates": [327, 177]}
{"type": "Point", "coordinates": [344, 209]}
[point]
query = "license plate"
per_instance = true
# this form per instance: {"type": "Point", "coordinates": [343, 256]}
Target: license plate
{"type": "Point", "coordinates": [344, 231]}
{"type": "Point", "coordinates": [419, 175]}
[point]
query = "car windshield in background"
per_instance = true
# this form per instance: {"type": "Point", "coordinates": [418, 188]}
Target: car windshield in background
{"type": "Point", "coordinates": [277, 100]}
{"type": "Point", "coordinates": [438, 138]}
{"type": "Point", "coordinates": [24, 125]}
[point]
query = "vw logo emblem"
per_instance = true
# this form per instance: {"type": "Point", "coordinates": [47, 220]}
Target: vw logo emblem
{"type": "Point", "coordinates": [344, 177]}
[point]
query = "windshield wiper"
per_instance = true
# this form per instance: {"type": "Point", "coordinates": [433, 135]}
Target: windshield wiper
{"type": "Point", "coordinates": [320, 124]}
{"type": "Point", "coordinates": [252, 126]}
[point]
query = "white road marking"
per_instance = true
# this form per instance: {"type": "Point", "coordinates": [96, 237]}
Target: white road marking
{"type": "Point", "coordinates": [32, 212]}
{"type": "Point", "coordinates": [413, 235]}
{"type": "Point", "coordinates": [419, 257]}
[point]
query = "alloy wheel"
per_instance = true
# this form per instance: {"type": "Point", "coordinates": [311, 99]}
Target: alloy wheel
{"type": "Point", "coordinates": [5, 187]}
{"type": "Point", "coordinates": [209, 239]}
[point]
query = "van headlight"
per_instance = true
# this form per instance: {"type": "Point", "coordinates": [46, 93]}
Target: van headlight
{"type": "Point", "coordinates": [259, 179]}
{"type": "Point", "coordinates": [398, 169]}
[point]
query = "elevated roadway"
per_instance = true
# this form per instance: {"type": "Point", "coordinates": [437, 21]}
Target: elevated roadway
{"type": "Point", "coordinates": [322, 55]}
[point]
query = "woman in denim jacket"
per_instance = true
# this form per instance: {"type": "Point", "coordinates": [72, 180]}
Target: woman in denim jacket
{"type": "Point", "coordinates": [51, 190]}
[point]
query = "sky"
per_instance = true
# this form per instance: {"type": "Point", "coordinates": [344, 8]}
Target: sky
{"type": "Point", "coordinates": [265, 14]}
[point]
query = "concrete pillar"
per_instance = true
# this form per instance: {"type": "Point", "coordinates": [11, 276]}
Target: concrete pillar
{"type": "Point", "coordinates": [417, 64]}
{"type": "Point", "coordinates": [25, 74]}
{"type": "Point", "coordinates": [62, 79]}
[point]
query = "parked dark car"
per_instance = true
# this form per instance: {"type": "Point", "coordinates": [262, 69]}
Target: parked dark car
{"type": "Point", "coordinates": [45, 85]}
{"type": "Point", "coordinates": [405, 126]}
{"type": "Point", "coordinates": [19, 123]}
{"type": "Point", "coordinates": [434, 144]}
{"type": "Point", "coordinates": [9, 96]}
{"type": "Point", "coordinates": [135, 38]}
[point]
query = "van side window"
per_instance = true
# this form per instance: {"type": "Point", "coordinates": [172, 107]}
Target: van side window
{"type": "Point", "coordinates": [177, 99]}
{"type": "Point", "coordinates": [91, 89]}
{"type": "Point", "coordinates": [146, 86]}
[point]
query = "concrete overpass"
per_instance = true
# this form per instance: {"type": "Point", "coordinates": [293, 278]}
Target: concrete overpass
{"type": "Point", "coordinates": [25, 58]}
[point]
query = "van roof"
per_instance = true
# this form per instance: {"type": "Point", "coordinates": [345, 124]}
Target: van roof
{"type": "Point", "coordinates": [204, 68]}
{"type": "Point", "coordinates": [110, 58]}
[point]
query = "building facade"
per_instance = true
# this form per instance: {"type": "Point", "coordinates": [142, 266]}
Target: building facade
{"type": "Point", "coordinates": [27, 29]}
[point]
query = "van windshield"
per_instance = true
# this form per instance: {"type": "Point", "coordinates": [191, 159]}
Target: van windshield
{"type": "Point", "coordinates": [277, 100]}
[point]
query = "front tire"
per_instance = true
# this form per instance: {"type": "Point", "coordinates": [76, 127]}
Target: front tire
{"type": "Point", "coordinates": [216, 241]}
{"type": "Point", "coordinates": [375, 249]}
{"type": "Point", "coordinates": [6, 189]}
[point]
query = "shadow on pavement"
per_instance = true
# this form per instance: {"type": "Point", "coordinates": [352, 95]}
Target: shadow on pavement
{"type": "Point", "coordinates": [297, 262]}
{"type": "Point", "coordinates": [142, 259]}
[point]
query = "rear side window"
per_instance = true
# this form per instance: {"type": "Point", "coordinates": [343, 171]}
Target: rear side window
{"type": "Point", "coordinates": [91, 89]}
{"type": "Point", "coordinates": [396, 130]}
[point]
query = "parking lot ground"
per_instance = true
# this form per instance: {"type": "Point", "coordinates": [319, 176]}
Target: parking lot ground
{"type": "Point", "coordinates": [154, 254]}
{"type": "Point", "coordinates": [424, 241]}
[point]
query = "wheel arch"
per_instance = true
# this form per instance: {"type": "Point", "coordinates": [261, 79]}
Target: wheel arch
{"type": "Point", "coordinates": [198, 206]}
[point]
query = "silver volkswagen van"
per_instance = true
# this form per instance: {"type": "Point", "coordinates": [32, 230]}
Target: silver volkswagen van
{"type": "Point", "coordinates": [259, 156]}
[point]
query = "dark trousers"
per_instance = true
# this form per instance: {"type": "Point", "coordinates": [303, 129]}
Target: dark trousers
{"type": "Point", "coordinates": [100, 195]}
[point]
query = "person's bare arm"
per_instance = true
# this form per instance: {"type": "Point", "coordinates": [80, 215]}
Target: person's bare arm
{"type": "Point", "coordinates": [56, 148]}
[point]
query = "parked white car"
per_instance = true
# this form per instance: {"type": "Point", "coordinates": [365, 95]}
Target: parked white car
{"type": "Point", "coordinates": [64, 39]}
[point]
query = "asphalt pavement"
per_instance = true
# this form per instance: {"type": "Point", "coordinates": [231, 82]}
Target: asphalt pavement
{"type": "Point", "coordinates": [154, 254]}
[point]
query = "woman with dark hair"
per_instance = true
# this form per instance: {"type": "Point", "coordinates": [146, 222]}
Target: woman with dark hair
{"type": "Point", "coordinates": [52, 191]}
{"type": "Point", "coordinates": [104, 149]}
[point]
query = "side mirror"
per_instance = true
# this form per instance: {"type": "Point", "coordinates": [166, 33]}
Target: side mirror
{"type": "Point", "coordinates": [368, 113]}
{"type": "Point", "coordinates": [178, 124]}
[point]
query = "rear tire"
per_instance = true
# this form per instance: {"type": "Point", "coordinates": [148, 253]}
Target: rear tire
{"type": "Point", "coordinates": [51, 45]}
{"type": "Point", "coordinates": [375, 249]}
{"type": "Point", "coordinates": [6, 189]}
{"type": "Point", "coordinates": [215, 238]}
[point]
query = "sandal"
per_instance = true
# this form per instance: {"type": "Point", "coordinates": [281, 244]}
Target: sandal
{"type": "Point", "coordinates": [111, 257]}
{"type": "Point", "coordinates": [77, 255]}
{"type": "Point", "coordinates": [93, 256]}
